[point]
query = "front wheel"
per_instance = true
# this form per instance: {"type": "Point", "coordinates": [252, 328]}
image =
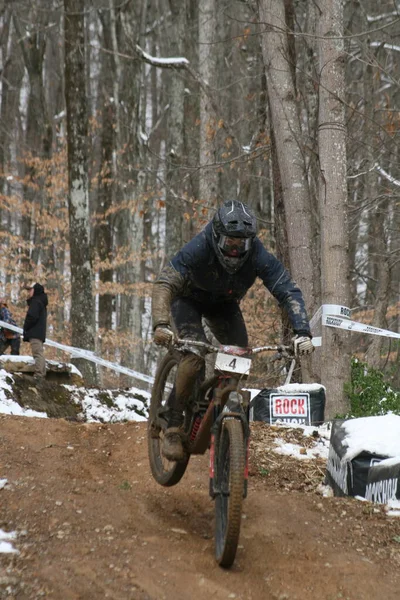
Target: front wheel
{"type": "Point", "coordinates": [230, 464]}
{"type": "Point", "coordinates": [164, 471]}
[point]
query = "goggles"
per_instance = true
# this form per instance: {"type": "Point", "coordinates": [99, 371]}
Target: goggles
{"type": "Point", "coordinates": [234, 246]}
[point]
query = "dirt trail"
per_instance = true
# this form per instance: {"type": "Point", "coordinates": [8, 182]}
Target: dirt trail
{"type": "Point", "coordinates": [93, 524]}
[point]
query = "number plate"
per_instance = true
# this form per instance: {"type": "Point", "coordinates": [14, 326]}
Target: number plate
{"type": "Point", "coordinates": [232, 364]}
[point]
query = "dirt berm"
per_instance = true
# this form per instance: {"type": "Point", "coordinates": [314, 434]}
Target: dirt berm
{"type": "Point", "coordinates": [93, 524]}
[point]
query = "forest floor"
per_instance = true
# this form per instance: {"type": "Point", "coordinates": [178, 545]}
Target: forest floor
{"type": "Point", "coordinates": [92, 523]}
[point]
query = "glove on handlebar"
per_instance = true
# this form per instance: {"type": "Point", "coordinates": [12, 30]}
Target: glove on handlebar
{"type": "Point", "coordinates": [163, 335]}
{"type": "Point", "coordinates": [302, 345]}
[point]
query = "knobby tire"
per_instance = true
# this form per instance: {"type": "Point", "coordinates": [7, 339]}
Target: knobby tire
{"type": "Point", "coordinates": [230, 464]}
{"type": "Point", "coordinates": [165, 472]}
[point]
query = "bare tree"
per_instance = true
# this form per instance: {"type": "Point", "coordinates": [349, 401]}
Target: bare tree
{"type": "Point", "coordinates": [290, 177]}
{"type": "Point", "coordinates": [285, 123]}
{"type": "Point", "coordinates": [82, 303]}
{"type": "Point", "coordinates": [335, 360]}
{"type": "Point", "coordinates": [175, 133]}
{"type": "Point", "coordinates": [208, 118]}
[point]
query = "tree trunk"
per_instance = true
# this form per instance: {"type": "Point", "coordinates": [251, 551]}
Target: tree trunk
{"type": "Point", "coordinates": [82, 304]}
{"type": "Point", "coordinates": [175, 133]}
{"type": "Point", "coordinates": [285, 123]}
{"type": "Point", "coordinates": [132, 176]}
{"type": "Point", "coordinates": [208, 175]}
{"type": "Point", "coordinates": [103, 236]}
{"type": "Point", "coordinates": [333, 200]}
{"type": "Point", "coordinates": [287, 132]}
{"type": "Point", "coordinates": [38, 136]}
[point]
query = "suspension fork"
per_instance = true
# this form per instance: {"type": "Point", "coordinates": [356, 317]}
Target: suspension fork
{"type": "Point", "coordinates": [221, 396]}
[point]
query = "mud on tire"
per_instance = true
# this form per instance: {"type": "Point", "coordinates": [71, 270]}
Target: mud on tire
{"type": "Point", "coordinates": [230, 463]}
{"type": "Point", "coordinates": [165, 472]}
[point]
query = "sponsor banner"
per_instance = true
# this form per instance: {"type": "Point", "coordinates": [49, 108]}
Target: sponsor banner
{"type": "Point", "coordinates": [383, 482]}
{"type": "Point", "coordinates": [290, 408]}
{"type": "Point", "coordinates": [298, 406]}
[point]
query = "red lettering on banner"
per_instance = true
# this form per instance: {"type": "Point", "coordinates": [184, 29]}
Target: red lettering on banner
{"type": "Point", "coordinates": [290, 406]}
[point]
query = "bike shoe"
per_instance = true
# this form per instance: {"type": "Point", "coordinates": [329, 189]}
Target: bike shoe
{"type": "Point", "coordinates": [172, 447]}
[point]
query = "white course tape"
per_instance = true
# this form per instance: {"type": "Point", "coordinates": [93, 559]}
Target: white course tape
{"type": "Point", "coordinates": [334, 315]}
{"type": "Point", "coordinates": [89, 355]}
{"type": "Point", "coordinates": [355, 326]}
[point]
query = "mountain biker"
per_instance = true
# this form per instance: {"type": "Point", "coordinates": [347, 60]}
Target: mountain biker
{"type": "Point", "coordinates": [208, 278]}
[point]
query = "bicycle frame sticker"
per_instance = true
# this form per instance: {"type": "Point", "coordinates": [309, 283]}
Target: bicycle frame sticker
{"type": "Point", "coordinates": [232, 364]}
{"type": "Point", "coordinates": [290, 408]}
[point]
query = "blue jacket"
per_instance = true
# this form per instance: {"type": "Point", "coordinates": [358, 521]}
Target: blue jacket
{"type": "Point", "coordinates": [204, 279]}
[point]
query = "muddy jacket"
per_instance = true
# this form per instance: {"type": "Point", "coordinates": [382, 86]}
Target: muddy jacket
{"type": "Point", "coordinates": [36, 317]}
{"type": "Point", "coordinates": [195, 272]}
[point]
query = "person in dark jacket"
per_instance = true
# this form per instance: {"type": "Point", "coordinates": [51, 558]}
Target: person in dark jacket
{"type": "Point", "coordinates": [7, 336]}
{"type": "Point", "coordinates": [35, 324]}
{"type": "Point", "coordinates": [207, 279]}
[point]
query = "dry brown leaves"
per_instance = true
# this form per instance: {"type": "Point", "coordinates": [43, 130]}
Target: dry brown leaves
{"type": "Point", "coordinates": [282, 471]}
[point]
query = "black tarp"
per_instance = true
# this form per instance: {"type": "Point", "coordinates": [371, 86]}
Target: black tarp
{"type": "Point", "coordinates": [296, 404]}
{"type": "Point", "coordinates": [364, 475]}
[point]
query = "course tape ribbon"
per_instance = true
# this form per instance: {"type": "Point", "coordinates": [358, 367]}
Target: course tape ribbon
{"type": "Point", "coordinates": [331, 315]}
{"type": "Point", "coordinates": [334, 315]}
{"type": "Point", "coordinates": [89, 355]}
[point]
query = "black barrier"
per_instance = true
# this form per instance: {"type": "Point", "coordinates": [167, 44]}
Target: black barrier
{"type": "Point", "coordinates": [364, 475]}
{"type": "Point", "coordinates": [337, 471]}
{"type": "Point", "coordinates": [383, 483]}
{"type": "Point", "coordinates": [296, 404]}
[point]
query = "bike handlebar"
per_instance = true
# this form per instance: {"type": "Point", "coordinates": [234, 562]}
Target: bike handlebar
{"type": "Point", "coordinates": [286, 351]}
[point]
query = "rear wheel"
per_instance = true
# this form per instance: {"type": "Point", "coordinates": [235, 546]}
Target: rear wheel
{"type": "Point", "coordinates": [164, 471]}
{"type": "Point", "coordinates": [230, 487]}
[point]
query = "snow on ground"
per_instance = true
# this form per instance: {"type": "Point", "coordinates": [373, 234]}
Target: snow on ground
{"type": "Point", "coordinates": [97, 405]}
{"type": "Point", "coordinates": [5, 544]}
{"type": "Point", "coordinates": [377, 435]}
{"type": "Point", "coordinates": [320, 449]}
{"type": "Point", "coordinates": [106, 407]}
{"type": "Point", "coordinates": [7, 405]}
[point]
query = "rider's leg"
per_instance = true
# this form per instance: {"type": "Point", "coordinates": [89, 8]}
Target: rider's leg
{"type": "Point", "coordinates": [186, 376]}
{"type": "Point", "coordinates": [227, 324]}
{"type": "Point", "coordinates": [187, 316]}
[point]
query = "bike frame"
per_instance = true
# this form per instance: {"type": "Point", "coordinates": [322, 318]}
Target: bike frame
{"type": "Point", "coordinates": [216, 418]}
{"type": "Point", "coordinates": [227, 401]}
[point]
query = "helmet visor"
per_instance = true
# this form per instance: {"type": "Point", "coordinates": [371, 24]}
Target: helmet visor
{"type": "Point", "coordinates": [234, 246]}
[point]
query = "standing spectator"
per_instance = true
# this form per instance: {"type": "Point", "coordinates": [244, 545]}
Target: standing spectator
{"type": "Point", "coordinates": [8, 337]}
{"type": "Point", "coordinates": [35, 326]}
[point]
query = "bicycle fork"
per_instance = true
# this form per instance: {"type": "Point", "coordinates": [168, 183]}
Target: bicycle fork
{"type": "Point", "coordinates": [233, 409]}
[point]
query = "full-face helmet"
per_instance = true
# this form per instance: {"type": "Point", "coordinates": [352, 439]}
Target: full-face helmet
{"type": "Point", "coordinates": [234, 229]}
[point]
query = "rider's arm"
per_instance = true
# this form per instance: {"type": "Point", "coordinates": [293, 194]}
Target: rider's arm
{"type": "Point", "coordinates": [176, 277]}
{"type": "Point", "coordinates": [168, 284]}
{"type": "Point", "coordinates": [278, 281]}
